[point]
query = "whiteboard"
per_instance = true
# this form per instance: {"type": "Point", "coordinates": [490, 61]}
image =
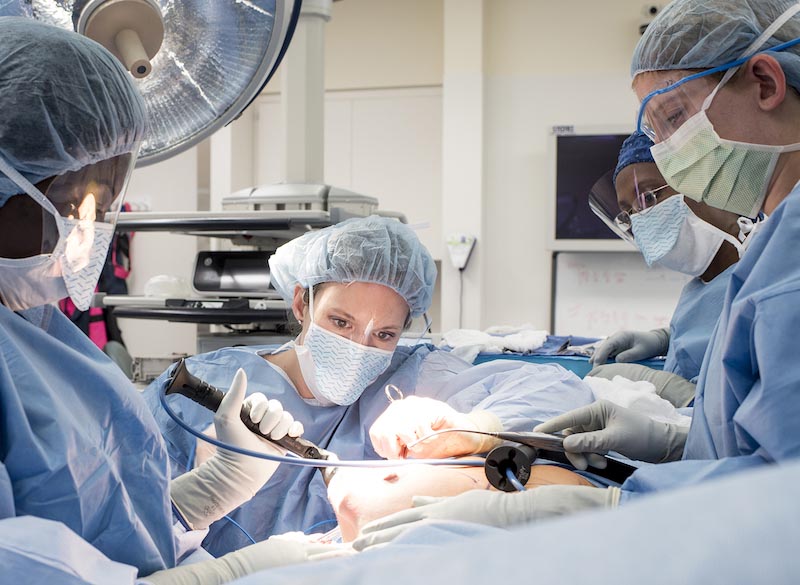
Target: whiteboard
{"type": "Point", "coordinates": [598, 293]}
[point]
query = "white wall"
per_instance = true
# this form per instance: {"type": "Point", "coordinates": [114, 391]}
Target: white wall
{"type": "Point", "coordinates": [547, 63]}
{"type": "Point", "coordinates": [171, 185]}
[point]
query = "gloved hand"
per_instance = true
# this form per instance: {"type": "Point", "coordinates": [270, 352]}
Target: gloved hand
{"type": "Point", "coordinates": [273, 552]}
{"type": "Point", "coordinates": [603, 426]}
{"type": "Point", "coordinates": [489, 508]}
{"type": "Point", "coordinates": [228, 479]}
{"type": "Point", "coordinates": [631, 346]}
{"type": "Point", "coordinates": [414, 417]}
{"type": "Point", "coordinates": [671, 387]}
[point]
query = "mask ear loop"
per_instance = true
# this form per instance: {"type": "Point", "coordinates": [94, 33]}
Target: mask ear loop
{"type": "Point", "coordinates": [30, 189]}
{"type": "Point", "coordinates": [753, 48]}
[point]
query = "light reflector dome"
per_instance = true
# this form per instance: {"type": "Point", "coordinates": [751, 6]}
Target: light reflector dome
{"type": "Point", "coordinates": [215, 58]}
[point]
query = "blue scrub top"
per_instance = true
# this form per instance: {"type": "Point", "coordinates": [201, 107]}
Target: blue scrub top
{"type": "Point", "coordinates": [78, 445]}
{"type": "Point", "coordinates": [747, 406]}
{"type": "Point", "coordinates": [295, 498]}
{"type": "Point", "coordinates": [693, 322]}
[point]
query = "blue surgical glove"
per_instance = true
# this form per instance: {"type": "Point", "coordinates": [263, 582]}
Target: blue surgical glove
{"type": "Point", "coordinates": [489, 508]}
{"type": "Point", "coordinates": [632, 346]}
{"type": "Point", "coordinates": [603, 426]}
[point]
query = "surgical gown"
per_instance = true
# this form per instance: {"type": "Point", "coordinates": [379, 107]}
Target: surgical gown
{"type": "Point", "coordinates": [748, 393]}
{"type": "Point", "coordinates": [692, 323]}
{"type": "Point", "coordinates": [295, 498]}
{"type": "Point", "coordinates": [78, 446]}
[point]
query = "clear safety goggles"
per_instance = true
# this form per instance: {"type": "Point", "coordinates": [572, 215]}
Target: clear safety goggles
{"type": "Point", "coordinates": [605, 205]}
{"type": "Point", "coordinates": [664, 110]}
{"type": "Point", "coordinates": [92, 194]}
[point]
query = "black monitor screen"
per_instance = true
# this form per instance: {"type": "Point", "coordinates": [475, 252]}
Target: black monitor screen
{"type": "Point", "coordinates": [580, 161]}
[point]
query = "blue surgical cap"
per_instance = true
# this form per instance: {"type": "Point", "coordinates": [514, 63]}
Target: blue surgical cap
{"type": "Point", "coordinates": [370, 249]}
{"type": "Point", "coordinates": [701, 34]}
{"type": "Point", "coordinates": [635, 149]}
{"type": "Point", "coordinates": [66, 102]}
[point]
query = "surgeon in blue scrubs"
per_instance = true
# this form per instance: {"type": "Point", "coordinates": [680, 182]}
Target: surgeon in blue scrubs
{"type": "Point", "coordinates": [719, 82]}
{"type": "Point", "coordinates": [354, 287]}
{"type": "Point", "coordinates": [704, 246]}
{"type": "Point", "coordinates": [85, 490]}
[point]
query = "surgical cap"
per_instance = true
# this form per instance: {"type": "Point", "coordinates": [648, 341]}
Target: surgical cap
{"type": "Point", "coordinates": [700, 34]}
{"type": "Point", "coordinates": [635, 149]}
{"type": "Point", "coordinates": [370, 249]}
{"type": "Point", "coordinates": [66, 102]}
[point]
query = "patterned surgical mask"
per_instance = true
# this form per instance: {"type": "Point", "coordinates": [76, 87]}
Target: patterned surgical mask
{"type": "Point", "coordinates": [336, 369]}
{"type": "Point", "coordinates": [71, 269]}
{"type": "Point", "coordinates": [671, 235]}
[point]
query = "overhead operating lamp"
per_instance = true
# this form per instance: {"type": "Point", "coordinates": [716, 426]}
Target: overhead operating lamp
{"type": "Point", "coordinates": [198, 63]}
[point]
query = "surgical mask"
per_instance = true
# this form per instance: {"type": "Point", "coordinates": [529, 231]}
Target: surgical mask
{"type": "Point", "coordinates": [671, 235]}
{"type": "Point", "coordinates": [72, 265]}
{"type": "Point", "coordinates": [336, 369]}
{"type": "Point", "coordinates": [726, 174]}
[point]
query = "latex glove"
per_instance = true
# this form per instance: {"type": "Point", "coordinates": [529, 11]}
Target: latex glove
{"type": "Point", "coordinates": [228, 479]}
{"type": "Point", "coordinates": [603, 426]}
{"type": "Point", "coordinates": [414, 417]}
{"type": "Point", "coordinates": [491, 508]}
{"type": "Point", "coordinates": [671, 387]}
{"type": "Point", "coordinates": [632, 346]}
{"type": "Point", "coordinates": [270, 553]}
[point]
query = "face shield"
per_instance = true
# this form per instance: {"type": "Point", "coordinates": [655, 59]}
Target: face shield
{"type": "Point", "coordinates": [665, 110]}
{"type": "Point", "coordinates": [604, 203]}
{"type": "Point", "coordinates": [79, 211]}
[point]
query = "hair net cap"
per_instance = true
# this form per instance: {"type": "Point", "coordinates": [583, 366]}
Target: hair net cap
{"type": "Point", "coordinates": [635, 149]}
{"type": "Point", "coordinates": [66, 101]}
{"type": "Point", "coordinates": [701, 34]}
{"type": "Point", "coordinates": [372, 249]}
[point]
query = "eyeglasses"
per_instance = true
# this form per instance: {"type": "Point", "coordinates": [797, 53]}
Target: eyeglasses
{"type": "Point", "coordinates": [644, 201]}
{"type": "Point", "coordinates": [660, 118]}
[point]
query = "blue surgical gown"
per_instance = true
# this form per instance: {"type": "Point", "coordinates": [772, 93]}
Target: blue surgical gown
{"type": "Point", "coordinates": [295, 498]}
{"type": "Point", "coordinates": [78, 446]}
{"type": "Point", "coordinates": [747, 406]}
{"type": "Point", "coordinates": [693, 322]}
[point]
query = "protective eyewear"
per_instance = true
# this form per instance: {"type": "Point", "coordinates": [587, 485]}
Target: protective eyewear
{"type": "Point", "coordinates": [664, 110]}
{"type": "Point", "coordinates": [603, 203]}
{"type": "Point", "coordinates": [91, 194]}
{"type": "Point", "coordinates": [644, 201]}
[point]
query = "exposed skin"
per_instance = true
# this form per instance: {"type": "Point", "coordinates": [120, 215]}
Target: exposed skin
{"type": "Point", "coordinates": [359, 496]}
{"type": "Point", "coordinates": [21, 225]}
{"type": "Point", "coordinates": [755, 106]}
{"type": "Point", "coordinates": [649, 178]}
{"type": "Point", "coordinates": [364, 312]}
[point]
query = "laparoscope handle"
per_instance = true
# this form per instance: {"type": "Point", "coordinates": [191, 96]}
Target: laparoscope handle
{"type": "Point", "coordinates": [210, 397]}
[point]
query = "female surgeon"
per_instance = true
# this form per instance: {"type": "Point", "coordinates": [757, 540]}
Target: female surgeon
{"type": "Point", "coordinates": [85, 492]}
{"type": "Point", "coordinates": [719, 82]}
{"type": "Point", "coordinates": [354, 287]}
{"type": "Point", "coordinates": [701, 241]}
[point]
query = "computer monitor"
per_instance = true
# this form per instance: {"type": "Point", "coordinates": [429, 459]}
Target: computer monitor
{"type": "Point", "coordinates": [579, 156]}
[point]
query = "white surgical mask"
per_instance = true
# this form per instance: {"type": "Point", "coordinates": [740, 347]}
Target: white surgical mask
{"type": "Point", "coordinates": [71, 269]}
{"type": "Point", "coordinates": [671, 235]}
{"type": "Point", "coordinates": [336, 369]}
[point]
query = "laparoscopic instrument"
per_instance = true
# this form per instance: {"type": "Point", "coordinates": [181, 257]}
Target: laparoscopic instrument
{"type": "Point", "coordinates": [514, 461]}
{"type": "Point", "coordinates": [507, 467]}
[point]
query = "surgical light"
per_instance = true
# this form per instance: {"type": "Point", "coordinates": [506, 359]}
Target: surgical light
{"type": "Point", "coordinates": [198, 64]}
